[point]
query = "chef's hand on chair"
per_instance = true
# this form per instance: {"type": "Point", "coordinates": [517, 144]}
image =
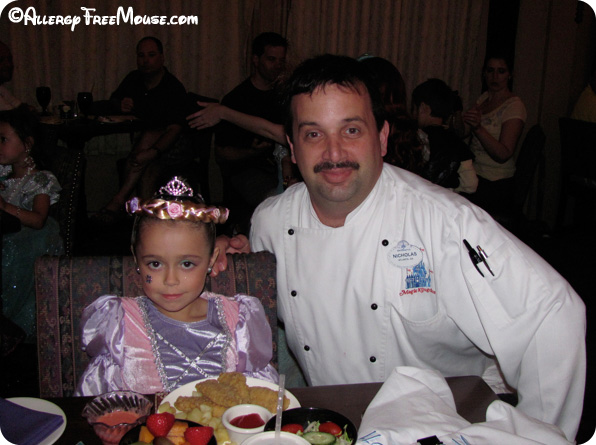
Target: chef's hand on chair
{"type": "Point", "coordinates": [236, 244]}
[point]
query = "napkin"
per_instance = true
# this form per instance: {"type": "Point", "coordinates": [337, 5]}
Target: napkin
{"type": "Point", "coordinates": [416, 403]}
{"type": "Point", "coordinates": [24, 426]}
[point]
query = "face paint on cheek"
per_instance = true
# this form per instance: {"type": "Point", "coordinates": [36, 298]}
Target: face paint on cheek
{"type": "Point", "coordinates": [148, 279]}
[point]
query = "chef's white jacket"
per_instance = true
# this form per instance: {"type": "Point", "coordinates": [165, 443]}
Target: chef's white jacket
{"type": "Point", "coordinates": [395, 286]}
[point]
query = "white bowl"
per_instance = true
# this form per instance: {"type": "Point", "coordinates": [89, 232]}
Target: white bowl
{"type": "Point", "coordinates": [237, 434]}
{"type": "Point", "coordinates": [268, 437]}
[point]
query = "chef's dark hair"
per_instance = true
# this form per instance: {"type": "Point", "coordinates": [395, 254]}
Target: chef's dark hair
{"type": "Point", "coordinates": [329, 69]}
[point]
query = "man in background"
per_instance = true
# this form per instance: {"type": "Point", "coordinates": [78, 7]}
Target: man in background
{"type": "Point", "coordinates": [246, 159]}
{"type": "Point", "coordinates": [7, 100]}
{"type": "Point", "coordinates": [158, 98]}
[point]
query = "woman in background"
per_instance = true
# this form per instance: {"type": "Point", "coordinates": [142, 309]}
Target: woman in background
{"type": "Point", "coordinates": [496, 122]}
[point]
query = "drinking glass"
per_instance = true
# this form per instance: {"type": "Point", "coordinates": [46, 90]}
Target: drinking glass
{"type": "Point", "coordinates": [85, 101]}
{"type": "Point", "coordinates": [43, 94]}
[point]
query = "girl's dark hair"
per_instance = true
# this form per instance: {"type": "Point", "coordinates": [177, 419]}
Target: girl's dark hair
{"type": "Point", "coordinates": [26, 125]}
{"type": "Point", "coordinates": [140, 219]}
{"type": "Point", "coordinates": [24, 122]}
{"type": "Point", "coordinates": [441, 99]}
{"type": "Point", "coordinates": [389, 81]}
{"type": "Point", "coordinates": [404, 148]}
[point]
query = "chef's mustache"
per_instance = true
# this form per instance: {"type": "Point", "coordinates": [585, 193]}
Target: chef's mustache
{"type": "Point", "coordinates": [331, 165]}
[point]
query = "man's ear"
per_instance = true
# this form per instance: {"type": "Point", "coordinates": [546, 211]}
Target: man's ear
{"type": "Point", "coordinates": [291, 145]}
{"type": "Point", "coordinates": [383, 135]}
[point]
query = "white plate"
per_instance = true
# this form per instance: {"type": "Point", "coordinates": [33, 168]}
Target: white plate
{"type": "Point", "coordinates": [45, 407]}
{"type": "Point", "coordinates": [189, 388]}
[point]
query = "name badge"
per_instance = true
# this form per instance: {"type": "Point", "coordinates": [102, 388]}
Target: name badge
{"type": "Point", "coordinates": [405, 255]}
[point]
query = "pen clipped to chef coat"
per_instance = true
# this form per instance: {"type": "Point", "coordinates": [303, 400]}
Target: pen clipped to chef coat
{"type": "Point", "coordinates": [478, 257]}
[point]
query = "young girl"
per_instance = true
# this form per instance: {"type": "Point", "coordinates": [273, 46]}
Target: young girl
{"type": "Point", "coordinates": [25, 193]}
{"type": "Point", "coordinates": [176, 333]}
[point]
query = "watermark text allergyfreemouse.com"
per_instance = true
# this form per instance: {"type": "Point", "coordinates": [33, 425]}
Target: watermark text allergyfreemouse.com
{"type": "Point", "coordinates": [89, 17]}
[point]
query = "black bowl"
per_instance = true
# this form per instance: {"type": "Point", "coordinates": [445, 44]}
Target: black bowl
{"type": "Point", "coordinates": [132, 436]}
{"type": "Point", "coordinates": [303, 416]}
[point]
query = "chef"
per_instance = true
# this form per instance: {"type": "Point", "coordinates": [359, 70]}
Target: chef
{"type": "Point", "coordinates": [373, 271]}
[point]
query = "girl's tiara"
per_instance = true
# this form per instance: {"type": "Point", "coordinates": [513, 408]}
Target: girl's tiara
{"type": "Point", "coordinates": [177, 208]}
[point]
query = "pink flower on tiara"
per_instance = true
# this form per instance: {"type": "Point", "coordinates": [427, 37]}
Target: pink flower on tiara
{"type": "Point", "coordinates": [132, 205]}
{"type": "Point", "coordinates": [175, 210]}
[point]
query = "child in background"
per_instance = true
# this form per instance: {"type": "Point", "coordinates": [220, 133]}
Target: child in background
{"type": "Point", "coordinates": [450, 162]}
{"type": "Point", "coordinates": [26, 193]}
{"type": "Point", "coordinates": [176, 333]}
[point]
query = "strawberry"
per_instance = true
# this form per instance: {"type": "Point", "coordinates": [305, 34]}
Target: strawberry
{"type": "Point", "coordinates": [198, 435]}
{"type": "Point", "coordinates": [160, 424]}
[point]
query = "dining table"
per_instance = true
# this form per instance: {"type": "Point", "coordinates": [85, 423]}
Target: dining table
{"type": "Point", "coordinates": [77, 132]}
{"type": "Point", "coordinates": [471, 394]}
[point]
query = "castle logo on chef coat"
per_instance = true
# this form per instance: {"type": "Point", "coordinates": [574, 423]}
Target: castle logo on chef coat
{"type": "Point", "coordinates": [409, 257]}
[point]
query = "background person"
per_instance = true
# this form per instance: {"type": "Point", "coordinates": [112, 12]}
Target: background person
{"type": "Point", "coordinates": [249, 169]}
{"type": "Point", "coordinates": [585, 107]}
{"type": "Point", "coordinates": [496, 121]}
{"type": "Point", "coordinates": [7, 100]}
{"type": "Point", "coordinates": [405, 148]}
{"type": "Point", "coordinates": [154, 95]}
{"type": "Point", "coordinates": [450, 160]}
{"type": "Point", "coordinates": [26, 192]}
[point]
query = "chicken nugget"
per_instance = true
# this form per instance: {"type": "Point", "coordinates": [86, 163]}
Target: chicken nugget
{"type": "Point", "coordinates": [205, 383]}
{"type": "Point", "coordinates": [237, 381]}
{"type": "Point", "coordinates": [187, 404]}
{"type": "Point", "coordinates": [266, 398]}
{"type": "Point", "coordinates": [220, 394]}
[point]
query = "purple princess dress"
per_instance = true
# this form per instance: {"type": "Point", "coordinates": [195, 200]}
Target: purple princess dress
{"type": "Point", "coordinates": [135, 347]}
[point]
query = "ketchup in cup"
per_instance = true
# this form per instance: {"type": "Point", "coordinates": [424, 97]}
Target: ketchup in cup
{"type": "Point", "coordinates": [115, 413]}
{"type": "Point", "coordinates": [112, 426]}
{"type": "Point", "coordinates": [248, 421]}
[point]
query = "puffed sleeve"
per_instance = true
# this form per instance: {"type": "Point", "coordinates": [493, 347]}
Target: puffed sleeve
{"type": "Point", "coordinates": [45, 183]}
{"type": "Point", "coordinates": [514, 110]}
{"type": "Point", "coordinates": [253, 340]}
{"type": "Point", "coordinates": [103, 332]}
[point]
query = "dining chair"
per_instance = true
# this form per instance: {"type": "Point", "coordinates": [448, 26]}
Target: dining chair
{"type": "Point", "coordinates": [578, 171]}
{"type": "Point", "coordinates": [66, 285]}
{"type": "Point", "coordinates": [68, 166]}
